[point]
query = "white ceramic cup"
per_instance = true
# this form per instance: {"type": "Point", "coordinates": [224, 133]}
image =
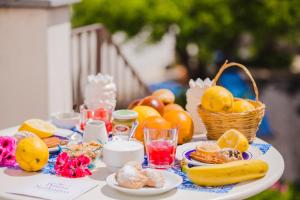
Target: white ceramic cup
{"type": "Point", "coordinates": [95, 130]}
{"type": "Point", "coordinates": [118, 152]}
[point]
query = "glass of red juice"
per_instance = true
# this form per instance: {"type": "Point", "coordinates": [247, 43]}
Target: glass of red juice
{"type": "Point", "coordinates": [160, 147]}
{"type": "Point", "coordinates": [100, 113]}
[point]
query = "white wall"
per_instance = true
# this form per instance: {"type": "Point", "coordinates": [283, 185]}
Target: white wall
{"type": "Point", "coordinates": [59, 69]}
{"type": "Point", "coordinates": [34, 63]}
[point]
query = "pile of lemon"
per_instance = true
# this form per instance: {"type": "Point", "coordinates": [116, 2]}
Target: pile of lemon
{"type": "Point", "coordinates": [219, 99]}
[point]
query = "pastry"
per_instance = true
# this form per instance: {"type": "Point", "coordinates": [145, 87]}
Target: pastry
{"type": "Point", "coordinates": [133, 176]}
{"type": "Point", "coordinates": [130, 177]}
{"type": "Point", "coordinates": [54, 141]}
{"type": "Point", "coordinates": [211, 153]}
{"type": "Point", "coordinates": [207, 148]}
{"type": "Point", "coordinates": [155, 178]}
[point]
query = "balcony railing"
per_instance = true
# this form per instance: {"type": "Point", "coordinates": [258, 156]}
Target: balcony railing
{"type": "Point", "coordinates": [93, 51]}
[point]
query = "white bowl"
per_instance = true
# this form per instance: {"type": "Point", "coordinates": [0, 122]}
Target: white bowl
{"type": "Point", "coordinates": [66, 120]}
{"type": "Point", "coordinates": [118, 152]}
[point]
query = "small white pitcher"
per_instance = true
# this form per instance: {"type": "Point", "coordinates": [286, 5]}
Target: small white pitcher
{"type": "Point", "coordinates": [95, 130]}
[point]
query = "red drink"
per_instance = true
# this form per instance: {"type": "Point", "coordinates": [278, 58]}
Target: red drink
{"type": "Point", "coordinates": [97, 114]}
{"type": "Point", "coordinates": [161, 153]}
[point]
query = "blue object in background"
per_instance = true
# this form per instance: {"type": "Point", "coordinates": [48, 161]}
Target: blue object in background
{"type": "Point", "coordinates": [239, 87]}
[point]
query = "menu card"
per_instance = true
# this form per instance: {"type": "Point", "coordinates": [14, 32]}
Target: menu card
{"type": "Point", "coordinates": [53, 187]}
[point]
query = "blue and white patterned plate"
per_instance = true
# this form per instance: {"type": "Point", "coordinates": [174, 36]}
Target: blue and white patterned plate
{"type": "Point", "coordinates": [185, 150]}
{"type": "Point", "coordinates": [68, 135]}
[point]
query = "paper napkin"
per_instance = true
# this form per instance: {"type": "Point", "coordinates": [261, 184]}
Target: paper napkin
{"type": "Point", "coordinates": [52, 187]}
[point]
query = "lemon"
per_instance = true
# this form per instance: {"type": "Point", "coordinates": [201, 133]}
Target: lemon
{"type": "Point", "coordinates": [233, 139]}
{"type": "Point", "coordinates": [217, 99]}
{"type": "Point", "coordinates": [242, 105]}
{"type": "Point", "coordinates": [32, 154]}
{"type": "Point", "coordinates": [39, 127]}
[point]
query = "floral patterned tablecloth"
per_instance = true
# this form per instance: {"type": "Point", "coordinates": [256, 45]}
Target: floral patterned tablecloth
{"type": "Point", "coordinates": [186, 184]}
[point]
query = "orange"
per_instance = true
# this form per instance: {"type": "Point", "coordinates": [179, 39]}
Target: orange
{"type": "Point", "coordinates": [184, 122]}
{"type": "Point", "coordinates": [156, 122]}
{"type": "Point", "coordinates": [217, 99]}
{"type": "Point", "coordinates": [143, 113]}
{"type": "Point", "coordinates": [171, 107]}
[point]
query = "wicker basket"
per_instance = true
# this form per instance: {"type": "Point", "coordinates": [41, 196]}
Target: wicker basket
{"type": "Point", "coordinates": [247, 123]}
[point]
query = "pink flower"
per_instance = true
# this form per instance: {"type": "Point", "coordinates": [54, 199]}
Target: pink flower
{"type": "Point", "coordinates": [10, 160]}
{"type": "Point", "coordinates": [83, 160]}
{"type": "Point", "coordinates": [7, 151]}
{"type": "Point", "coordinates": [1, 153]}
{"type": "Point", "coordinates": [79, 173]}
{"type": "Point", "coordinates": [284, 188]}
{"type": "Point", "coordinates": [278, 186]}
{"type": "Point", "coordinates": [75, 163]}
{"type": "Point", "coordinates": [8, 142]}
{"type": "Point", "coordinates": [72, 167]}
{"type": "Point", "coordinates": [87, 171]}
{"type": "Point", "coordinates": [61, 160]}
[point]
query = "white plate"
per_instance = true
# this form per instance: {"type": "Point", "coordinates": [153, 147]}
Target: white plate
{"type": "Point", "coordinates": [183, 151]}
{"type": "Point", "coordinates": [171, 181]}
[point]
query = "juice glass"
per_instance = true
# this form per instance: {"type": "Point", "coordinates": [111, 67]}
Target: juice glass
{"type": "Point", "coordinates": [160, 147]}
{"type": "Point", "coordinates": [101, 113]}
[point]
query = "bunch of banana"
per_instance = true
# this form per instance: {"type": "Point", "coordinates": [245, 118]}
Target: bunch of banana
{"type": "Point", "coordinates": [228, 173]}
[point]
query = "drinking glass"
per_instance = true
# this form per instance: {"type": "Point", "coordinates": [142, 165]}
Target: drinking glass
{"type": "Point", "coordinates": [101, 113]}
{"type": "Point", "coordinates": [160, 147]}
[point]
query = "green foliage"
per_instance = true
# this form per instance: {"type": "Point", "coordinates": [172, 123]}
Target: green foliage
{"type": "Point", "coordinates": [290, 193]}
{"type": "Point", "coordinates": [211, 24]}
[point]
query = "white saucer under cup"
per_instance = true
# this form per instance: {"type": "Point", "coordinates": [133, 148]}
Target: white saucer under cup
{"type": "Point", "coordinates": [95, 130]}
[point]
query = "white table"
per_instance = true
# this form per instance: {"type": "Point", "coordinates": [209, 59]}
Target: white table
{"type": "Point", "coordinates": [102, 191]}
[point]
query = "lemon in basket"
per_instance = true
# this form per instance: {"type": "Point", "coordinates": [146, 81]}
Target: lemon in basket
{"type": "Point", "coordinates": [217, 99]}
{"type": "Point", "coordinates": [32, 154]}
{"type": "Point", "coordinates": [39, 127]}
{"type": "Point", "coordinates": [233, 139]}
{"type": "Point", "coordinates": [242, 105]}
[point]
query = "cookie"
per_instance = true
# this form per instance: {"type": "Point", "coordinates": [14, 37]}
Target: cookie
{"type": "Point", "coordinates": [54, 141]}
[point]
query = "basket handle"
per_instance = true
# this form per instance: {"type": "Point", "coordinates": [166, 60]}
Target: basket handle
{"type": "Point", "coordinates": [227, 65]}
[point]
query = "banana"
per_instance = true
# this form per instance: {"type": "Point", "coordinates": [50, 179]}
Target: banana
{"type": "Point", "coordinates": [228, 173]}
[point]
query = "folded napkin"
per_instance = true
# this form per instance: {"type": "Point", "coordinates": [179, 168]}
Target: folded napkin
{"type": "Point", "coordinates": [52, 187]}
